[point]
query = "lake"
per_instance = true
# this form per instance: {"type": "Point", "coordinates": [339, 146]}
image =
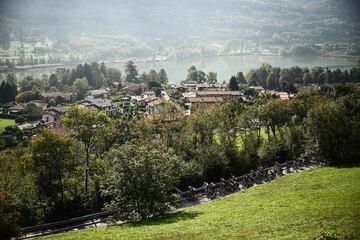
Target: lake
{"type": "Point", "coordinates": [225, 66]}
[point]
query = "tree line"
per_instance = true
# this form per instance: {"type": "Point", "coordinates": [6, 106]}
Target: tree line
{"type": "Point", "coordinates": [285, 79]}
{"type": "Point", "coordinates": [136, 164]}
{"type": "Point", "coordinates": [77, 81]}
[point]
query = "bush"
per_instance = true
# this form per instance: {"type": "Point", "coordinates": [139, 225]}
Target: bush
{"type": "Point", "coordinates": [27, 96]}
{"type": "Point", "coordinates": [335, 128]}
{"type": "Point", "coordinates": [9, 217]}
{"type": "Point", "coordinates": [274, 150]}
{"type": "Point", "coordinates": [142, 180]}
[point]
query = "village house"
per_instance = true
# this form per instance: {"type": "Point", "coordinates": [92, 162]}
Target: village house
{"type": "Point", "coordinates": [154, 105]}
{"type": "Point", "coordinates": [189, 85]}
{"type": "Point", "coordinates": [53, 114]}
{"type": "Point", "coordinates": [103, 105]}
{"type": "Point", "coordinates": [30, 128]}
{"type": "Point", "coordinates": [57, 127]}
{"type": "Point", "coordinates": [98, 93]}
{"type": "Point", "coordinates": [148, 94]}
{"type": "Point", "coordinates": [211, 87]}
{"type": "Point", "coordinates": [219, 94]}
{"type": "Point", "coordinates": [258, 89]}
{"type": "Point", "coordinates": [194, 102]}
{"type": "Point", "coordinates": [16, 109]}
{"type": "Point", "coordinates": [181, 88]}
{"type": "Point", "coordinates": [283, 95]}
{"type": "Point", "coordinates": [133, 89]}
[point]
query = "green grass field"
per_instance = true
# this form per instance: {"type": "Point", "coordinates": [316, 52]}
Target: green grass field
{"type": "Point", "coordinates": [6, 122]}
{"type": "Point", "coordinates": [298, 206]}
{"type": "Point", "coordinates": [239, 139]}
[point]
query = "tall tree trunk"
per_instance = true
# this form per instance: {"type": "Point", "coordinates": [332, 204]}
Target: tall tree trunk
{"type": "Point", "coordinates": [86, 170]}
{"type": "Point", "coordinates": [62, 196]}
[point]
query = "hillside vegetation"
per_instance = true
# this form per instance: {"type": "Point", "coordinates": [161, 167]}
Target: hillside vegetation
{"type": "Point", "coordinates": [298, 206]}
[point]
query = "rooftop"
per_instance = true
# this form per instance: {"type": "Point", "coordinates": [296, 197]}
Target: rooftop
{"type": "Point", "coordinates": [98, 92]}
{"type": "Point", "coordinates": [205, 99]}
{"type": "Point", "coordinates": [218, 93]}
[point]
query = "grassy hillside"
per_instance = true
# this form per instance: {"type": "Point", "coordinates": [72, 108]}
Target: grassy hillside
{"type": "Point", "coordinates": [298, 206]}
{"type": "Point", "coordinates": [6, 122]}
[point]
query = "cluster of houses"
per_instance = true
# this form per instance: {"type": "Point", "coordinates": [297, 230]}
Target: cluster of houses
{"type": "Point", "coordinates": [134, 97]}
{"type": "Point", "coordinates": [197, 94]}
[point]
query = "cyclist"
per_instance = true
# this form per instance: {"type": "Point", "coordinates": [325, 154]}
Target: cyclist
{"type": "Point", "coordinates": [232, 183]}
{"type": "Point", "coordinates": [222, 186]}
{"type": "Point", "coordinates": [207, 188]}
{"type": "Point", "coordinates": [192, 193]}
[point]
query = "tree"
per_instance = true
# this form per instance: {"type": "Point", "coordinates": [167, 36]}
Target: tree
{"type": "Point", "coordinates": [251, 78]}
{"type": "Point", "coordinates": [262, 73]}
{"type": "Point", "coordinates": [201, 76]}
{"type": "Point", "coordinates": [274, 114]}
{"type": "Point", "coordinates": [240, 78]}
{"type": "Point", "coordinates": [211, 77]}
{"type": "Point", "coordinates": [18, 196]}
{"type": "Point", "coordinates": [27, 96]}
{"type": "Point", "coordinates": [9, 217]}
{"type": "Point", "coordinates": [322, 78]}
{"type": "Point", "coordinates": [153, 85]}
{"type": "Point", "coordinates": [285, 79]}
{"type": "Point", "coordinates": [163, 78]}
{"type": "Point", "coordinates": [195, 75]}
{"type": "Point", "coordinates": [142, 180]}
{"type": "Point", "coordinates": [8, 92]}
{"type": "Point", "coordinates": [103, 68]}
{"type": "Point", "coordinates": [192, 74]}
{"type": "Point", "coordinates": [88, 74]}
{"type": "Point", "coordinates": [207, 152]}
{"type": "Point", "coordinates": [296, 74]}
{"type": "Point", "coordinates": [271, 82]}
{"type": "Point", "coordinates": [32, 112]}
{"type": "Point", "coordinates": [87, 124]}
{"type": "Point", "coordinates": [307, 78]}
{"type": "Point", "coordinates": [53, 160]}
{"type": "Point", "coordinates": [63, 76]}
{"type": "Point", "coordinates": [53, 81]}
{"type": "Point", "coordinates": [80, 86]}
{"type": "Point", "coordinates": [315, 74]}
{"type": "Point", "coordinates": [144, 77]}
{"type": "Point", "coordinates": [233, 84]}
{"type": "Point", "coordinates": [332, 124]}
{"type": "Point", "coordinates": [11, 79]}
{"type": "Point", "coordinates": [113, 75]}
{"type": "Point", "coordinates": [229, 115]}
{"type": "Point", "coordinates": [153, 76]}
{"type": "Point", "coordinates": [131, 72]}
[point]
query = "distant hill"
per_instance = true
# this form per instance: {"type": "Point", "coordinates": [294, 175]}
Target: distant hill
{"type": "Point", "coordinates": [162, 26]}
{"type": "Point", "coordinates": [298, 206]}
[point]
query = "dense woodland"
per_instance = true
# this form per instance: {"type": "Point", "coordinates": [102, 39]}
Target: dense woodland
{"type": "Point", "coordinates": [136, 164]}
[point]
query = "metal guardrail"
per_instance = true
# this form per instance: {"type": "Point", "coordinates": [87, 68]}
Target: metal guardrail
{"type": "Point", "coordinates": [69, 221]}
{"type": "Point", "coordinates": [66, 225]}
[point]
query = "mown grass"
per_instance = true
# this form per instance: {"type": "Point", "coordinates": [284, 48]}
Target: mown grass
{"type": "Point", "coordinates": [6, 122]}
{"type": "Point", "coordinates": [241, 136]}
{"type": "Point", "coordinates": [298, 206]}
